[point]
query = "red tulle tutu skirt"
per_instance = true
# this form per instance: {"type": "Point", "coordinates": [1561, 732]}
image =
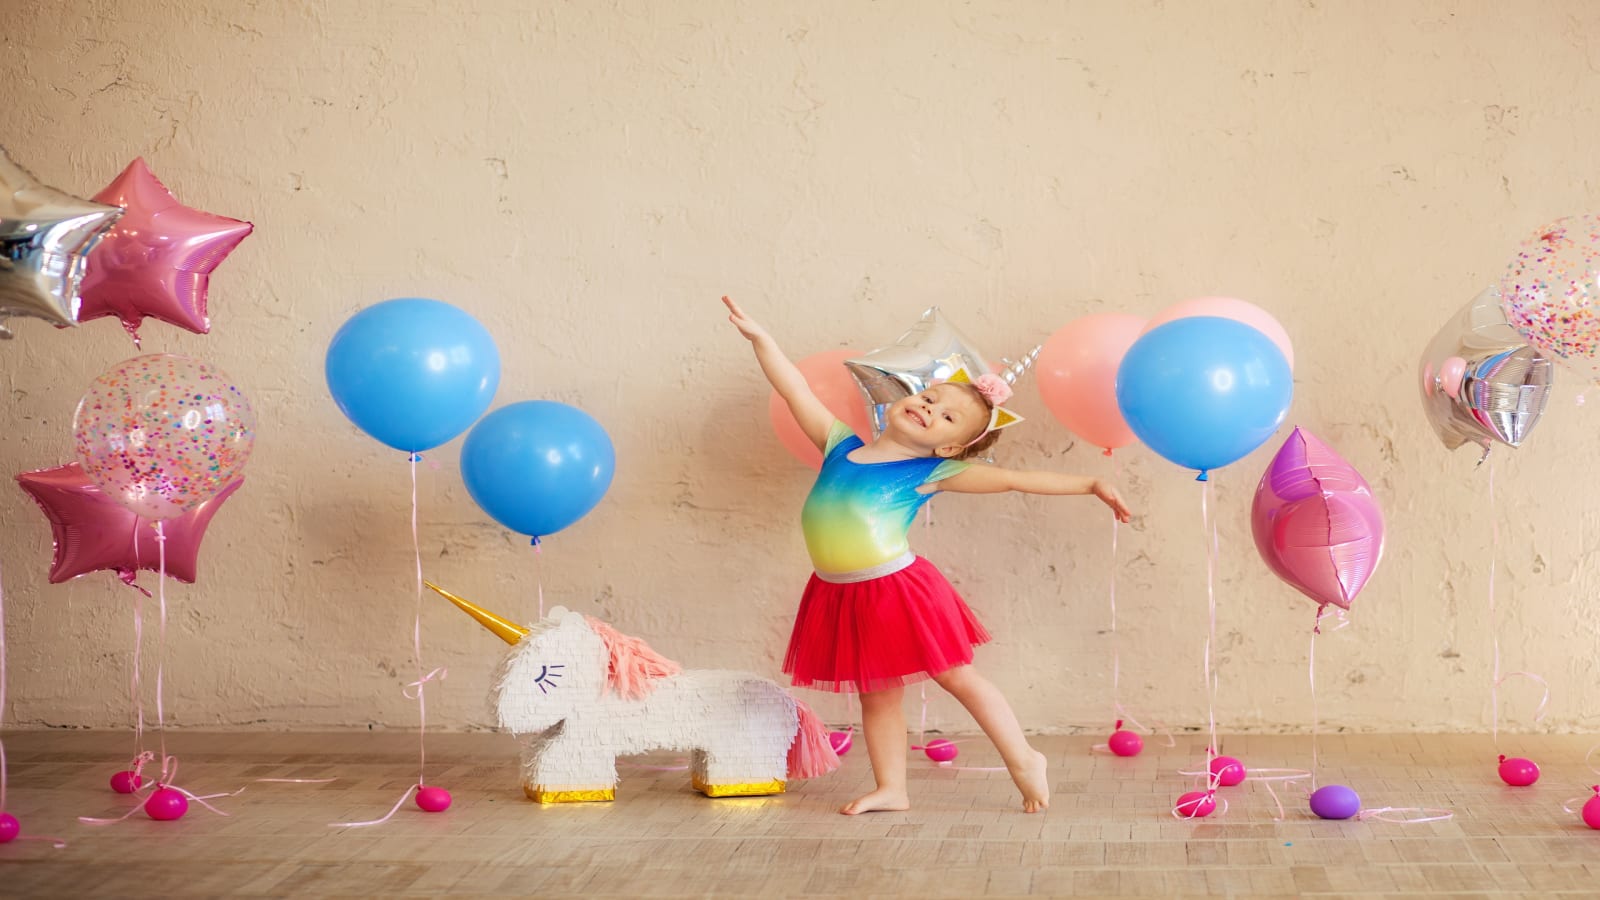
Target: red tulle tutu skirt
{"type": "Point", "coordinates": [878, 634]}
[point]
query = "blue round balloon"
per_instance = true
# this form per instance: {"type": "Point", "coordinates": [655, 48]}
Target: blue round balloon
{"type": "Point", "coordinates": [412, 372]}
{"type": "Point", "coordinates": [537, 466]}
{"type": "Point", "coordinates": [1204, 391]}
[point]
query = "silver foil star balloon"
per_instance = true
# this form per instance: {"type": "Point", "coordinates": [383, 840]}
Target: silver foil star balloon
{"type": "Point", "coordinates": [1481, 381]}
{"type": "Point", "coordinates": [929, 352]}
{"type": "Point", "coordinates": [45, 236]}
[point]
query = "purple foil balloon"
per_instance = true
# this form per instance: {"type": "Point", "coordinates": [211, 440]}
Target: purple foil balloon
{"type": "Point", "coordinates": [158, 259]}
{"type": "Point", "coordinates": [1315, 521]}
{"type": "Point", "coordinates": [94, 532]}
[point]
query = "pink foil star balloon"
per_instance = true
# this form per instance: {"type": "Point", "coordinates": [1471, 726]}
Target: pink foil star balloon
{"type": "Point", "coordinates": [159, 257]}
{"type": "Point", "coordinates": [94, 532]}
{"type": "Point", "coordinates": [1315, 521]}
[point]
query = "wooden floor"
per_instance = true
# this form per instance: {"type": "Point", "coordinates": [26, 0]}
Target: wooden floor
{"type": "Point", "coordinates": [1107, 832]}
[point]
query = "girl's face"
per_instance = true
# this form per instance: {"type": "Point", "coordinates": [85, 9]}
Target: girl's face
{"type": "Point", "coordinates": [942, 419]}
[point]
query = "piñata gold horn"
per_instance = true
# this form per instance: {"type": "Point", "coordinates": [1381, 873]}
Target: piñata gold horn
{"type": "Point", "coordinates": [503, 628]}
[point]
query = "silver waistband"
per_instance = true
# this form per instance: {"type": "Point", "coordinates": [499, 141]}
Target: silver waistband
{"type": "Point", "coordinates": [877, 571]}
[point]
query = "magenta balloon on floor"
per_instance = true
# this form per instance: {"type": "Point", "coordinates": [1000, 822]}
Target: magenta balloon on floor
{"type": "Point", "coordinates": [1315, 521]}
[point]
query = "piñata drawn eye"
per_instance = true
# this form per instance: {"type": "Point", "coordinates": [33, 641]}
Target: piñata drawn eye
{"type": "Point", "coordinates": [548, 676]}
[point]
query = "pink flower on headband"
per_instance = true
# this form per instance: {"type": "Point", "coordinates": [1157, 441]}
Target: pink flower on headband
{"type": "Point", "coordinates": [993, 388]}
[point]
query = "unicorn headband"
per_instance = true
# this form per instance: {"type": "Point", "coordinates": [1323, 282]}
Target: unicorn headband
{"type": "Point", "coordinates": [993, 389]}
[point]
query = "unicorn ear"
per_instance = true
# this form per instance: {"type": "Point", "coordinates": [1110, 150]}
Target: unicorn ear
{"type": "Point", "coordinates": [999, 417]}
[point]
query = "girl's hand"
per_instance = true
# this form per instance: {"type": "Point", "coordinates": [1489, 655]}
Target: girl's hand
{"type": "Point", "coordinates": [746, 325]}
{"type": "Point", "coordinates": [1109, 496]}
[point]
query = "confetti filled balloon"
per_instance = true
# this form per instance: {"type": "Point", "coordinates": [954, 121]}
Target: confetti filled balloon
{"type": "Point", "coordinates": [162, 434]}
{"type": "Point", "coordinates": [1551, 291]}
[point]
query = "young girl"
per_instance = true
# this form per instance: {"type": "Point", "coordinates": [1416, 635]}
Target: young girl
{"type": "Point", "coordinates": [874, 616]}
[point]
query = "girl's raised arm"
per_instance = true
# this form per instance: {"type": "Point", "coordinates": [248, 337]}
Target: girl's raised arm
{"type": "Point", "coordinates": [815, 419]}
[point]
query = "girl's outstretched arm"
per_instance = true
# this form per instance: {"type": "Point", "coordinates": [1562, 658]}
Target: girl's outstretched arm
{"type": "Point", "coordinates": [815, 419]}
{"type": "Point", "coordinates": [981, 479]}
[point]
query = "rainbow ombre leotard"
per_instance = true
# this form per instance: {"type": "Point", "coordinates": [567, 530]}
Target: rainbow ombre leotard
{"type": "Point", "coordinates": [857, 515]}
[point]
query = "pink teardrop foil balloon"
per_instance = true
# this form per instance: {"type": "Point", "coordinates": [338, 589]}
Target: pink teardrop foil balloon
{"type": "Point", "coordinates": [1315, 521]}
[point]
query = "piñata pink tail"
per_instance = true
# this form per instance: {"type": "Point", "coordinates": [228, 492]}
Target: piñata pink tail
{"type": "Point", "coordinates": [811, 755]}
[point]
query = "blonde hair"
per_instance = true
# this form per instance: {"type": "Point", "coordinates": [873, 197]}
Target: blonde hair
{"type": "Point", "coordinates": [981, 442]}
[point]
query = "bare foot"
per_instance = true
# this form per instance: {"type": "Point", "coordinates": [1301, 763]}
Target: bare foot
{"type": "Point", "coordinates": [878, 800]}
{"type": "Point", "coordinates": [1033, 783]}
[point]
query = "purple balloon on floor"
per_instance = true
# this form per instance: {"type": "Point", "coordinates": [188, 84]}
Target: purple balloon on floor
{"type": "Point", "coordinates": [1335, 802]}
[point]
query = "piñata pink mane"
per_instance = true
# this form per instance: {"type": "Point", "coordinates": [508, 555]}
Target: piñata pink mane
{"type": "Point", "coordinates": [634, 666]}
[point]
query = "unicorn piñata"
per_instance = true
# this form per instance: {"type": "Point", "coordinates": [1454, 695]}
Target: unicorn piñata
{"type": "Point", "coordinates": [579, 694]}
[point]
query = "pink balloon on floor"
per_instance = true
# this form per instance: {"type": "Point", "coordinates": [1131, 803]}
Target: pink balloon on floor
{"type": "Point", "coordinates": [1123, 742]}
{"type": "Point", "coordinates": [840, 741]}
{"type": "Point", "coordinates": [157, 260]}
{"type": "Point", "coordinates": [1077, 376]}
{"type": "Point", "coordinates": [1229, 308]}
{"type": "Point", "coordinates": [1518, 772]}
{"type": "Point", "coordinates": [433, 799]}
{"type": "Point", "coordinates": [126, 782]}
{"type": "Point", "coordinates": [9, 828]}
{"type": "Point", "coordinates": [1227, 770]}
{"type": "Point", "coordinates": [1591, 810]}
{"type": "Point", "coordinates": [93, 532]}
{"type": "Point", "coordinates": [1315, 521]}
{"type": "Point", "coordinates": [166, 805]}
{"type": "Point", "coordinates": [941, 750]}
{"type": "Point", "coordinates": [836, 388]}
{"type": "Point", "coordinates": [1196, 805]}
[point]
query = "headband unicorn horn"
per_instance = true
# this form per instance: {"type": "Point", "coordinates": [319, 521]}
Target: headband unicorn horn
{"type": "Point", "coordinates": [1014, 370]}
{"type": "Point", "coordinates": [999, 416]}
{"type": "Point", "coordinates": [503, 628]}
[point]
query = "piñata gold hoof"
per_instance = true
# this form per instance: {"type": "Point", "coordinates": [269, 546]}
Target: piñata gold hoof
{"type": "Point", "coordinates": [750, 789]}
{"type": "Point", "coordinates": [590, 795]}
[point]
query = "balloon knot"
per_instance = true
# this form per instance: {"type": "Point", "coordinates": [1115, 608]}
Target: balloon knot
{"type": "Point", "coordinates": [1107, 452]}
{"type": "Point", "coordinates": [1203, 476]}
{"type": "Point", "coordinates": [1502, 757]}
{"type": "Point", "coordinates": [1118, 726]}
{"type": "Point", "coordinates": [415, 457]}
{"type": "Point", "coordinates": [534, 542]}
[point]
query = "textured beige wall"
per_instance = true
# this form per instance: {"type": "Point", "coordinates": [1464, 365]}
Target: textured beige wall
{"type": "Point", "coordinates": [587, 178]}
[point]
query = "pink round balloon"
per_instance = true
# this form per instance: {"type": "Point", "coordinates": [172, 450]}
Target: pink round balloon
{"type": "Point", "coordinates": [166, 804]}
{"type": "Point", "coordinates": [158, 259]}
{"type": "Point", "coordinates": [9, 828]}
{"type": "Point", "coordinates": [941, 750]}
{"type": "Point", "coordinates": [433, 799]}
{"type": "Point", "coordinates": [126, 782]}
{"type": "Point", "coordinates": [1591, 811]}
{"type": "Point", "coordinates": [1315, 522]}
{"type": "Point", "coordinates": [1227, 770]}
{"type": "Point", "coordinates": [834, 386]}
{"type": "Point", "coordinates": [1229, 308]}
{"type": "Point", "coordinates": [162, 434]}
{"type": "Point", "coordinates": [1196, 805]}
{"type": "Point", "coordinates": [1077, 376]}
{"type": "Point", "coordinates": [1125, 743]}
{"type": "Point", "coordinates": [841, 741]}
{"type": "Point", "coordinates": [1451, 375]}
{"type": "Point", "coordinates": [1518, 772]}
